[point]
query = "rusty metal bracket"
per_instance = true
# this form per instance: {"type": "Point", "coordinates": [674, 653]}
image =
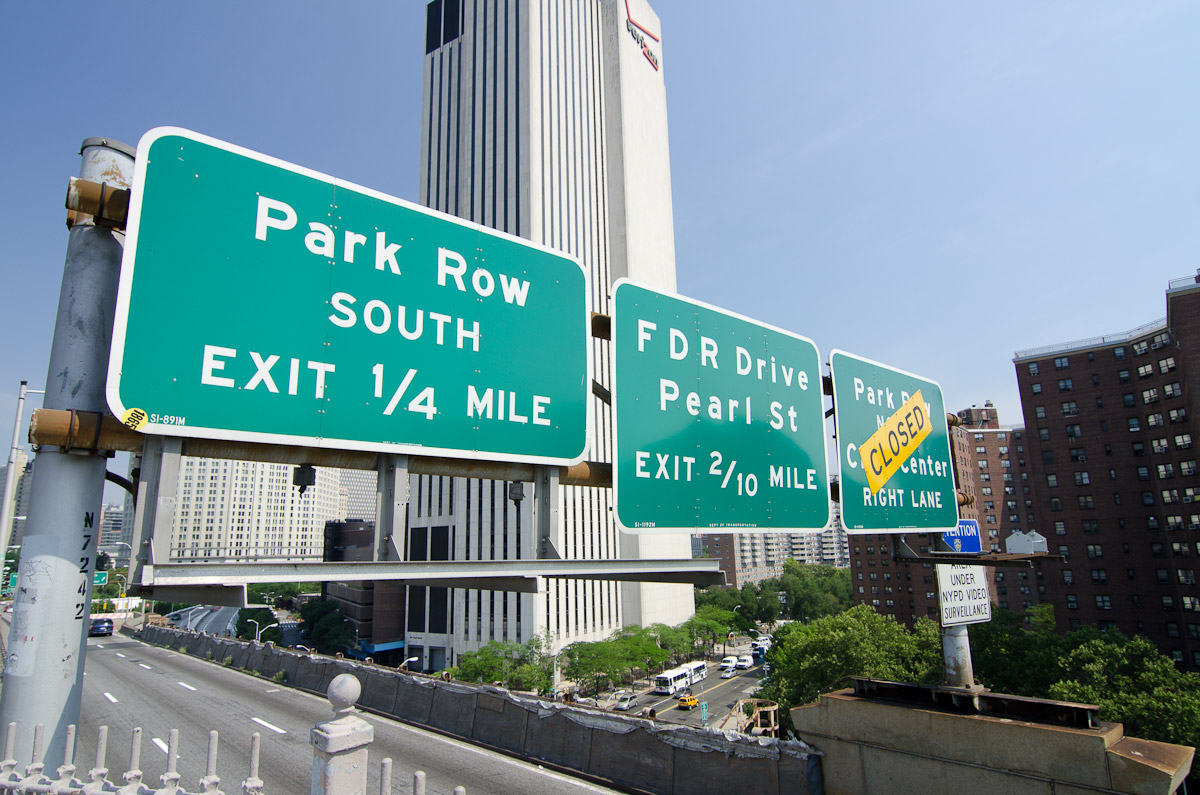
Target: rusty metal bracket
{"type": "Point", "coordinates": [106, 205]}
{"type": "Point", "coordinates": [903, 552]}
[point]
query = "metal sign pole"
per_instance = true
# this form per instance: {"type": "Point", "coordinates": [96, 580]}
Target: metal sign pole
{"type": "Point", "coordinates": [43, 672]}
{"type": "Point", "coordinates": [10, 478]}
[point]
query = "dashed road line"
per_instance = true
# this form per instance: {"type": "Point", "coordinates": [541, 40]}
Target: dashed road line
{"type": "Point", "coordinates": [111, 697]}
{"type": "Point", "coordinates": [262, 722]}
{"type": "Point", "coordinates": [186, 685]}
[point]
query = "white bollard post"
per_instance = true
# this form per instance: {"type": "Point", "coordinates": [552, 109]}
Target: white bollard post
{"type": "Point", "coordinates": [340, 745]}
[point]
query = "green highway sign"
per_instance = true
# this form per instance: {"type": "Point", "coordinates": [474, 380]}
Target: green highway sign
{"type": "Point", "coordinates": [260, 301]}
{"type": "Point", "coordinates": [12, 581]}
{"type": "Point", "coordinates": [718, 420]}
{"type": "Point", "coordinates": [100, 578]}
{"type": "Point", "coordinates": [893, 448]}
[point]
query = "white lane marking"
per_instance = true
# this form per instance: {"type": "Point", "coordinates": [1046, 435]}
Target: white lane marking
{"type": "Point", "coordinates": [120, 655]}
{"type": "Point", "coordinates": [261, 722]}
{"type": "Point", "coordinates": [147, 667]}
{"type": "Point", "coordinates": [189, 687]}
{"type": "Point", "coordinates": [161, 745]}
{"type": "Point", "coordinates": [111, 697]}
{"type": "Point", "coordinates": [99, 645]}
{"type": "Point", "coordinates": [273, 690]}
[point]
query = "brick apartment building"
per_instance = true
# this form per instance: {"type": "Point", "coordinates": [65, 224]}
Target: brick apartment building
{"type": "Point", "coordinates": [1112, 466]}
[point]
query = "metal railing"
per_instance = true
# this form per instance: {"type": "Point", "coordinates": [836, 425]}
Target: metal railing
{"type": "Point", "coordinates": [333, 779]}
{"type": "Point", "coordinates": [1091, 342]}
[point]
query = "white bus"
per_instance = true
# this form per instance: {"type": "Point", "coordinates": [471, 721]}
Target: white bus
{"type": "Point", "coordinates": [672, 681]}
{"type": "Point", "coordinates": [696, 671]}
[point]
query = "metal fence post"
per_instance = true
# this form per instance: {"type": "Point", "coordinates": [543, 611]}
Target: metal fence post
{"type": "Point", "coordinates": [43, 672]}
{"type": "Point", "coordinates": [340, 745]}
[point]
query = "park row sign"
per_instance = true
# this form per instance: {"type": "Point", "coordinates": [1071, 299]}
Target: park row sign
{"type": "Point", "coordinates": [261, 301]}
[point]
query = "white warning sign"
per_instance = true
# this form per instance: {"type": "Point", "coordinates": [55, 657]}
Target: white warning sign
{"type": "Point", "coordinates": [963, 594]}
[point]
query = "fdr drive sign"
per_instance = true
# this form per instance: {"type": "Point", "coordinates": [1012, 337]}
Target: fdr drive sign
{"type": "Point", "coordinates": [260, 301]}
{"type": "Point", "coordinates": [894, 449]}
{"type": "Point", "coordinates": [719, 420]}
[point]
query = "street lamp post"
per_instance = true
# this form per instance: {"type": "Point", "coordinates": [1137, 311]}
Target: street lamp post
{"type": "Point", "coordinates": [258, 632]}
{"type": "Point", "coordinates": [191, 613]}
{"type": "Point", "coordinates": [404, 665]}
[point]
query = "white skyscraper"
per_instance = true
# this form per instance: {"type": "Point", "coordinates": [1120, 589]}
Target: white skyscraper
{"type": "Point", "coordinates": [547, 120]}
{"type": "Point", "coordinates": [249, 509]}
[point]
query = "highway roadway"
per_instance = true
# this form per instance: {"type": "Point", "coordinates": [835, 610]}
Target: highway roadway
{"type": "Point", "coordinates": [721, 695]}
{"type": "Point", "coordinates": [128, 684]}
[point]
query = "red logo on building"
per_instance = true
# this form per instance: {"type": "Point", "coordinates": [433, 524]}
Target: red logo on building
{"type": "Point", "coordinates": [642, 36]}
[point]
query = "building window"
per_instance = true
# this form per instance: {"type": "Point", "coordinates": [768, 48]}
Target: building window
{"type": "Point", "coordinates": [1151, 522]}
{"type": "Point", "coordinates": [1160, 340]}
{"type": "Point", "coordinates": [1158, 549]}
{"type": "Point", "coordinates": [1141, 348]}
{"type": "Point", "coordinates": [1159, 445]}
{"type": "Point", "coordinates": [1095, 551]}
{"type": "Point", "coordinates": [1173, 390]}
{"type": "Point", "coordinates": [1103, 602]}
{"type": "Point", "coordinates": [1033, 368]}
{"type": "Point", "coordinates": [1055, 504]}
{"type": "Point", "coordinates": [1044, 434]}
{"type": "Point", "coordinates": [1163, 576]}
{"type": "Point", "coordinates": [1051, 480]}
{"type": "Point", "coordinates": [1177, 415]}
{"type": "Point", "coordinates": [1085, 502]}
{"type": "Point", "coordinates": [1183, 441]}
{"type": "Point", "coordinates": [1166, 365]}
{"type": "Point", "coordinates": [1064, 551]}
{"type": "Point", "coordinates": [1060, 528]}
{"type": "Point", "coordinates": [1134, 425]}
{"type": "Point", "coordinates": [1070, 408]}
{"type": "Point", "coordinates": [1068, 577]}
{"type": "Point", "coordinates": [1187, 468]}
{"type": "Point", "coordinates": [1129, 400]}
{"type": "Point", "coordinates": [1186, 576]}
{"type": "Point", "coordinates": [1072, 602]}
{"type": "Point", "coordinates": [1035, 389]}
{"type": "Point", "coordinates": [1066, 385]}
{"type": "Point", "coordinates": [1039, 412]}
{"type": "Point", "coordinates": [1074, 431]}
{"type": "Point", "coordinates": [1119, 353]}
{"type": "Point", "coordinates": [1061, 363]}
{"type": "Point", "coordinates": [1077, 454]}
{"type": "Point", "coordinates": [1150, 395]}
{"type": "Point", "coordinates": [1123, 376]}
{"type": "Point", "coordinates": [1145, 371]}
{"type": "Point", "coordinates": [1143, 473]}
{"type": "Point", "coordinates": [1100, 576]}
{"type": "Point", "coordinates": [1082, 479]}
{"type": "Point", "coordinates": [1165, 470]}
{"type": "Point", "coordinates": [1091, 526]}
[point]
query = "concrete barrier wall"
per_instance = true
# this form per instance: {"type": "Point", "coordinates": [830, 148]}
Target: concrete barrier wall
{"type": "Point", "coordinates": [629, 751]}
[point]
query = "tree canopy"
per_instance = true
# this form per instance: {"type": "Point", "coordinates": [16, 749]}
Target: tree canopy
{"type": "Point", "coordinates": [520, 666]}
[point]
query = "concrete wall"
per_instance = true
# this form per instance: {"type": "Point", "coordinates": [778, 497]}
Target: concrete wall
{"type": "Point", "coordinates": [628, 751]}
{"type": "Point", "coordinates": [873, 746]}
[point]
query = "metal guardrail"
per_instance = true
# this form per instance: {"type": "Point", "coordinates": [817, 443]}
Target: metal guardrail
{"type": "Point", "coordinates": [1091, 342]}
{"type": "Point", "coordinates": [329, 777]}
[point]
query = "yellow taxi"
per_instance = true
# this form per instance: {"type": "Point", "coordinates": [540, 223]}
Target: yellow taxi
{"type": "Point", "coordinates": [688, 701]}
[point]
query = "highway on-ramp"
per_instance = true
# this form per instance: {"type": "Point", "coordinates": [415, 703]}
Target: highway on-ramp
{"type": "Point", "coordinates": [130, 684]}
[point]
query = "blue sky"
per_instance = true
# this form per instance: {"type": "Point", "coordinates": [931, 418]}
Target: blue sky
{"type": "Point", "coordinates": [929, 184]}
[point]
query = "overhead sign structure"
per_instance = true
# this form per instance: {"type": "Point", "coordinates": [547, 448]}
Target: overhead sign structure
{"type": "Point", "coordinates": [963, 596]}
{"type": "Point", "coordinates": [964, 538]}
{"type": "Point", "coordinates": [719, 420]}
{"type": "Point", "coordinates": [893, 447]}
{"type": "Point", "coordinates": [261, 301]}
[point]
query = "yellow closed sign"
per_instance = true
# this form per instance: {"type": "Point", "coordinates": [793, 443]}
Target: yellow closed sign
{"type": "Point", "coordinates": [895, 441]}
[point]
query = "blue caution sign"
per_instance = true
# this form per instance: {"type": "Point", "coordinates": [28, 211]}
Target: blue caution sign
{"type": "Point", "coordinates": [964, 538]}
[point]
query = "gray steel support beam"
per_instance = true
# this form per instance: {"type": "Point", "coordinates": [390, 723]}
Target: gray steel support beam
{"type": "Point", "coordinates": [43, 672]}
{"type": "Point", "coordinates": [435, 572]}
{"type": "Point", "coordinates": [391, 512]}
{"type": "Point", "coordinates": [154, 512]}
{"type": "Point", "coordinates": [546, 512]}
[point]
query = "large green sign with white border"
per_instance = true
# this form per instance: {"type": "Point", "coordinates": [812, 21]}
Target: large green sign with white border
{"type": "Point", "coordinates": [893, 449]}
{"type": "Point", "coordinates": [719, 420]}
{"type": "Point", "coordinates": [260, 301]}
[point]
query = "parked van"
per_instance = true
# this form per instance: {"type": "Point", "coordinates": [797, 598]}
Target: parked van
{"type": "Point", "coordinates": [744, 661]}
{"type": "Point", "coordinates": [729, 662]}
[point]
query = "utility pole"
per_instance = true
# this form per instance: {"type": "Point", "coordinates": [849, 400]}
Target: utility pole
{"type": "Point", "coordinates": [43, 673]}
{"type": "Point", "coordinates": [10, 477]}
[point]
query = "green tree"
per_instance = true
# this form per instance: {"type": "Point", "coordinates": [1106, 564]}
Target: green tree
{"type": "Point", "coordinates": [810, 659]}
{"type": "Point", "coordinates": [639, 648]}
{"type": "Point", "coordinates": [264, 617]}
{"type": "Point", "coordinates": [814, 591]}
{"type": "Point", "coordinates": [676, 641]}
{"type": "Point", "coordinates": [593, 666]}
{"type": "Point", "coordinates": [710, 624]}
{"type": "Point", "coordinates": [327, 626]}
{"type": "Point", "coordinates": [1133, 684]}
{"type": "Point", "coordinates": [520, 666]}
